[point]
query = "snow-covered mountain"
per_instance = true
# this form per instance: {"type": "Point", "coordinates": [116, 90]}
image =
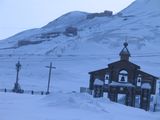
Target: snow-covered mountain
{"type": "Point", "coordinates": [75, 33]}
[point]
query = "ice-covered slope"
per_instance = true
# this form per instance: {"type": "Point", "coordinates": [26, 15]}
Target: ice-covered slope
{"type": "Point", "coordinates": [139, 22]}
{"type": "Point", "coordinates": [144, 6]}
{"type": "Point", "coordinates": [72, 18]}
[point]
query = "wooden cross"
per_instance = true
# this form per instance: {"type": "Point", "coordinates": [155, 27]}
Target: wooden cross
{"type": "Point", "coordinates": [49, 77]}
{"type": "Point", "coordinates": [17, 87]}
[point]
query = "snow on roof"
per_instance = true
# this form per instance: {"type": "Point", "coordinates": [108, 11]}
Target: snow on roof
{"type": "Point", "coordinates": [98, 82]}
{"type": "Point", "coordinates": [121, 84]}
{"type": "Point", "coordinates": [146, 86]}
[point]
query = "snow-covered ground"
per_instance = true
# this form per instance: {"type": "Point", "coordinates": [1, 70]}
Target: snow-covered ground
{"type": "Point", "coordinates": [67, 106]}
{"type": "Point", "coordinates": [65, 101]}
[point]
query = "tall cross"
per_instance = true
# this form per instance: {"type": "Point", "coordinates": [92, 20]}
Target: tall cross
{"type": "Point", "coordinates": [17, 86]}
{"type": "Point", "coordinates": [49, 77]}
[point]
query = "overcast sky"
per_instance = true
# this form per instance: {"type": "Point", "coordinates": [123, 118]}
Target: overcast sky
{"type": "Point", "coordinates": [19, 15]}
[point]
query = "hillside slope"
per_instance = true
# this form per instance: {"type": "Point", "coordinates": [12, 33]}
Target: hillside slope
{"type": "Point", "coordinates": [73, 33]}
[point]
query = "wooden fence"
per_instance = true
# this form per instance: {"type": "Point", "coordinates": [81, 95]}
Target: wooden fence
{"type": "Point", "coordinates": [31, 92]}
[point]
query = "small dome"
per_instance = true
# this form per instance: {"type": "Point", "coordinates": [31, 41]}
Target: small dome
{"type": "Point", "coordinates": [125, 54]}
{"type": "Point", "coordinates": [125, 44]}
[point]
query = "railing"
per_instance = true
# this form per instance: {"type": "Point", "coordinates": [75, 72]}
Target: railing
{"type": "Point", "coordinates": [32, 92]}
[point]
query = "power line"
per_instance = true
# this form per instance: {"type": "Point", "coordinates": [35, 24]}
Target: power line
{"type": "Point", "coordinates": [41, 58]}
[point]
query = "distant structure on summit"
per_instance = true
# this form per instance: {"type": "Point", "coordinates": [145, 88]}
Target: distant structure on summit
{"type": "Point", "coordinates": [125, 78]}
{"type": "Point", "coordinates": [106, 13]}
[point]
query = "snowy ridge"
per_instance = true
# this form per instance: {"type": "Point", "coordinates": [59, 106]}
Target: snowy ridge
{"type": "Point", "coordinates": [145, 6]}
{"type": "Point", "coordinates": [139, 22]}
{"type": "Point", "coordinates": [69, 19]}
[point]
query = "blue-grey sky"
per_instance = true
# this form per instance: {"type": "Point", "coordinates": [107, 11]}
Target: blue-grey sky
{"type": "Point", "coordinates": [19, 15]}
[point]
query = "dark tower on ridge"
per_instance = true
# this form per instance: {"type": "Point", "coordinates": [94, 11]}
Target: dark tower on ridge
{"type": "Point", "coordinates": [125, 54]}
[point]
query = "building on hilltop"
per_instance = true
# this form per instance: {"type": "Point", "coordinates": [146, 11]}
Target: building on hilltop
{"type": "Point", "coordinates": [106, 13]}
{"type": "Point", "coordinates": [127, 78]}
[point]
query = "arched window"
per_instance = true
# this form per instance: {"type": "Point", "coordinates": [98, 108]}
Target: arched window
{"type": "Point", "coordinates": [139, 80]}
{"type": "Point", "coordinates": [123, 76]}
{"type": "Point", "coordinates": [106, 79]}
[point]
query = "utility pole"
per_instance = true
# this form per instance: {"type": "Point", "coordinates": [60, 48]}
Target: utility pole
{"type": "Point", "coordinates": [49, 77]}
{"type": "Point", "coordinates": [17, 87]}
{"type": "Point", "coordinates": [159, 87]}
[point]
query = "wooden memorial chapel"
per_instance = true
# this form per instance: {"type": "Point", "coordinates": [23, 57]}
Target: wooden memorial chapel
{"type": "Point", "coordinates": [124, 77]}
